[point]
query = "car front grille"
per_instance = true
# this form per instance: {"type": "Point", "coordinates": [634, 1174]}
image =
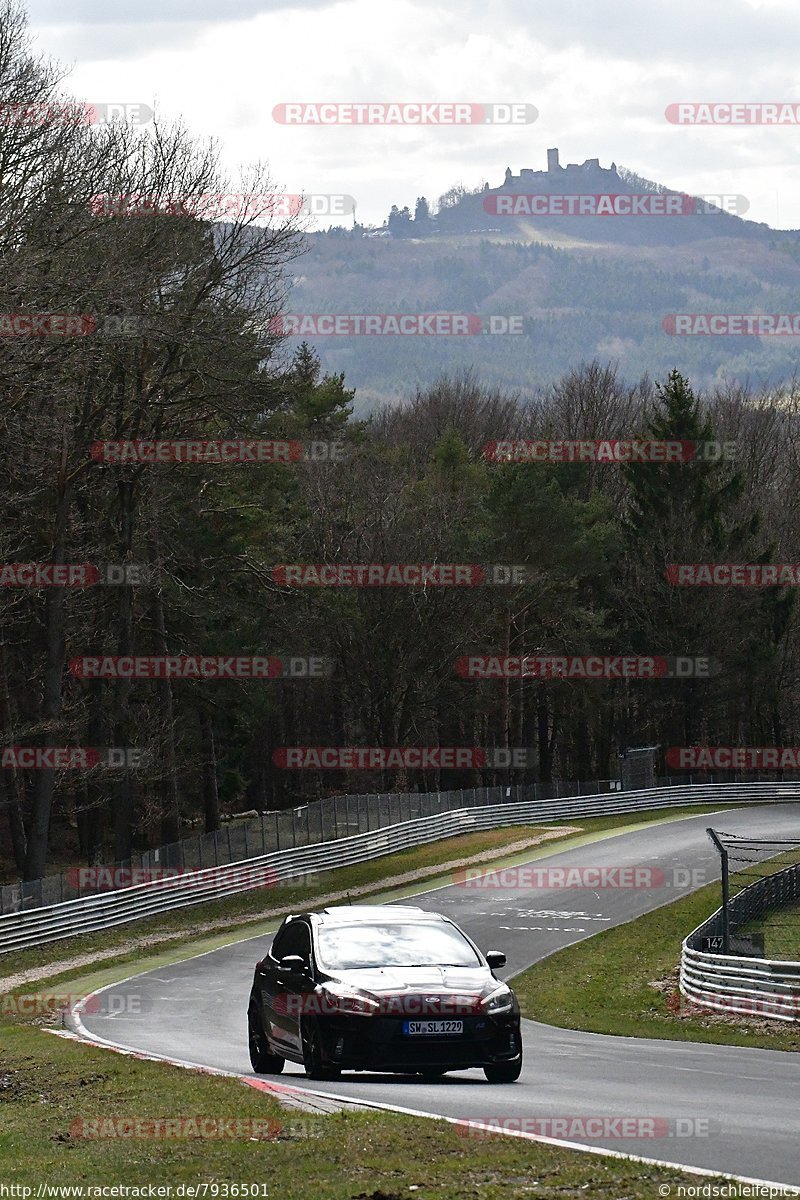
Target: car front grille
{"type": "Point", "coordinates": [378, 1041]}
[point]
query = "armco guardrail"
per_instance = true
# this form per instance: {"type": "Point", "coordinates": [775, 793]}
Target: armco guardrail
{"type": "Point", "coordinates": [41, 925]}
{"type": "Point", "coordinates": [326, 820]}
{"type": "Point", "coordinates": [730, 983]}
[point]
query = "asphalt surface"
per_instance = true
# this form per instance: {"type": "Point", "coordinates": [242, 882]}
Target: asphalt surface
{"type": "Point", "coordinates": [747, 1101]}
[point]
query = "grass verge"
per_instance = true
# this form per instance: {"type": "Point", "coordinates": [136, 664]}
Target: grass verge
{"type": "Point", "coordinates": [50, 1090]}
{"type": "Point", "coordinates": [48, 1084]}
{"type": "Point", "coordinates": [624, 981]}
{"type": "Point", "coordinates": [781, 930]}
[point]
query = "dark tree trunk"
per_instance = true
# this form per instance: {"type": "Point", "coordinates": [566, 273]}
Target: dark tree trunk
{"type": "Point", "coordinates": [90, 822]}
{"type": "Point", "coordinates": [168, 784]}
{"type": "Point", "coordinates": [543, 729]}
{"type": "Point", "coordinates": [11, 788]}
{"type": "Point", "coordinates": [55, 648]}
{"type": "Point", "coordinates": [209, 755]}
{"type": "Point", "coordinates": [123, 800]}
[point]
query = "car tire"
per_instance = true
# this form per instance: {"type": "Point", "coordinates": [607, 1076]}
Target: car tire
{"type": "Point", "coordinates": [315, 1068]}
{"type": "Point", "coordinates": [504, 1072]}
{"type": "Point", "coordinates": [262, 1062]}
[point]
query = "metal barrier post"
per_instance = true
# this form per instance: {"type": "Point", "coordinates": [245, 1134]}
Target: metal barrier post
{"type": "Point", "coordinates": [723, 854]}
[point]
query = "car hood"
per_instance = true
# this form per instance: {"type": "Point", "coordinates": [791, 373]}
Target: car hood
{"type": "Point", "coordinates": [438, 981]}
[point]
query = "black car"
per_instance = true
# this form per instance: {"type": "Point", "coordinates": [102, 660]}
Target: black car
{"type": "Point", "coordinates": [383, 988]}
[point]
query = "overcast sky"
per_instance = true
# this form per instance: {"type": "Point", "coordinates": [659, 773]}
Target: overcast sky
{"type": "Point", "coordinates": [599, 72]}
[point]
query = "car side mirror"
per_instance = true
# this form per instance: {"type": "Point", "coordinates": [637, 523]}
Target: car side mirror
{"type": "Point", "coordinates": [495, 958]}
{"type": "Point", "coordinates": [294, 963]}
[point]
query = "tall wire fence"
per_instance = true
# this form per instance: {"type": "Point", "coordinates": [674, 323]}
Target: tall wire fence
{"type": "Point", "coordinates": [760, 895]}
{"type": "Point", "coordinates": [324, 820]}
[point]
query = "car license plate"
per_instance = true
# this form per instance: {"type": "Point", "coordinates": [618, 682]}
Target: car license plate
{"type": "Point", "coordinates": [433, 1027]}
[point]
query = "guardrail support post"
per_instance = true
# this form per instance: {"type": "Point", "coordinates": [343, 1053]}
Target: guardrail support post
{"type": "Point", "coordinates": [723, 854]}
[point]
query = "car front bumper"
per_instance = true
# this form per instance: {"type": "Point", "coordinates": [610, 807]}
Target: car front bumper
{"type": "Point", "coordinates": [379, 1043]}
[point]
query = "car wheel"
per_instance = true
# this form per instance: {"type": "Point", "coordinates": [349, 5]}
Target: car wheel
{"type": "Point", "coordinates": [504, 1072]}
{"type": "Point", "coordinates": [261, 1060]}
{"type": "Point", "coordinates": [312, 1054]}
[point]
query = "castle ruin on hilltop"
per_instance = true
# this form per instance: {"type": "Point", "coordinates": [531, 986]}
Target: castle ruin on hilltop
{"type": "Point", "coordinates": [574, 175]}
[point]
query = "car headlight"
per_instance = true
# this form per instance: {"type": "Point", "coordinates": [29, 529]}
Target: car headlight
{"type": "Point", "coordinates": [335, 999]}
{"type": "Point", "coordinates": [500, 1001]}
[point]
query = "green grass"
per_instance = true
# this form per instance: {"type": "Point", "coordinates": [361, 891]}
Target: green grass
{"type": "Point", "coordinates": [48, 1084]}
{"type": "Point", "coordinates": [604, 985]}
{"type": "Point", "coordinates": [781, 930]}
{"type": "Point", "coordinates": [780, 926]}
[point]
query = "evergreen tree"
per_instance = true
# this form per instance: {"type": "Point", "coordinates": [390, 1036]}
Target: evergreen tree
{"type": "Point", "coordinates": [422, 213]}
{"type": "Point", "coordinates": [691, 511]}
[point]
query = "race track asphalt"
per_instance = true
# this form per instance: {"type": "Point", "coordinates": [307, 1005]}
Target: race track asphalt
{"type": "Point", "coordinates": [746, 1100]}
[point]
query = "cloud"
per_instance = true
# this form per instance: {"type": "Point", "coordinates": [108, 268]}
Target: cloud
{"type": "Point", "coordinates": [173, 12]}
{"type": "Point", "coordinates": [710, 31]}
{"type": "Point", "coordinates": [89, 30]}
{"type": "Point", "coordinates": [600, 74]}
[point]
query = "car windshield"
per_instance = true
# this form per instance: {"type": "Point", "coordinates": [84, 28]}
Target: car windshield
{"type": "Point", "coordinates": [394, 944]}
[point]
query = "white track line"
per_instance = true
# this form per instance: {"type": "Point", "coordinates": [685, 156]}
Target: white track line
{"type": "Point", "coordinates": [267, 1086]}
{"type": "Point", "coordinates": [84, 1035]}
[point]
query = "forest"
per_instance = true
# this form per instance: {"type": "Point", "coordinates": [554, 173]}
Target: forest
{"type": "Point", "coordinates": [187, 557]}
